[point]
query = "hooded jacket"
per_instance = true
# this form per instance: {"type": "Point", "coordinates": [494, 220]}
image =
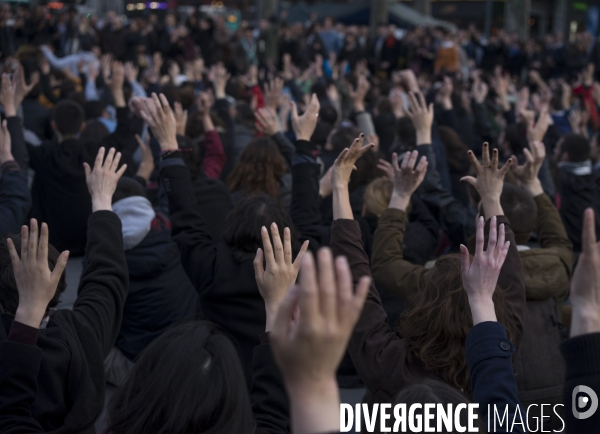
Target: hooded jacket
{"type": "Point", "coordinates": [160, 292]}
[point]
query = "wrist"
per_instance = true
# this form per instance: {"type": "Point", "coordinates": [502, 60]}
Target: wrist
{"type": "Point", "coordinates": [101, 203]}
{"type": "Point", "coordinates": [314, 405]}
{"type": "Point", "coordinates": [534, 187]}
{"type": "Point", "coordinates": [168, 145]}
{"type": "Point", "coordinates": [5, 158]}
{"type": "Point", "coordinates": [359, 107]}
{"type": "Point", "coordinates": [10, 110]}
{"type": "Point", "coordinates": [31, 316]}
{"type": "Point", "coordinates": [424, 137]}
{"type": "Point", "coordinates": [584, 321]}
{"type": "Point", "coordinates": [482, 310]}
{"type": "Point", "coordinates": [399, 201]}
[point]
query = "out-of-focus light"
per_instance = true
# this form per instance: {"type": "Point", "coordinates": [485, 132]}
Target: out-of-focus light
{"type": "Point", "coordinates": [231, 18]}
{"type": "Point", "coordinates": [154, 5]}
{"type": "Point", "coordinates": [140, 6]}
{"type": "Point", "coordinates": [130, 7]}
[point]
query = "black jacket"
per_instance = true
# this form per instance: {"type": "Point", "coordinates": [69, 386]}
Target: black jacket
{"type": "Point", "coordinates": [70, 378]}
{"type": "Point", "coordinates": [160, 292]}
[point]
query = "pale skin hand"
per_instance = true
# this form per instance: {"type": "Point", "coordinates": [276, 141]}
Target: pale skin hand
{"type": "Point", "coordinates": [22, 89]}
{"type": "Point", "coordinates": [304, 126]}
{"type": "Point", "coordinates": [407, 178]}
{"type": "Point", "coordinates": [537, 131]}
{"type": "Point", "coordinates": [7, 96]}
{"type": "Point", "coordinates": [102, 181]}
{"type": "Point", "coordinates": [147, 164]}
{"type": "Point", "coordinates": [5, 144]}
{"type": "Point", "coordinates": [267, 121]}
{"type": "Point", "coordinates": [489, 181]}
{"type": "Point", "coordinates": [309, 348]}
{"type": "Point", "coordinates": [481, 276]}
{"type": "Point", "coordinates": [219, 77]}
{"type": "Point", "coordinates": [36, 283]}
{"type": "Point", "coordinates": [273, 91]}
{"type": "Point", "coordinates": [181, 117]}
{"type": "Point", "coordinates": [204, 103]}
{"type": "Point", "coordinates": [528, 173]}
{"type": "Point", "coordinates": [422, 117]}
{"type": "Point", "coordinates": [159, 116]}
{"type": "Point", "coordinates": [275, 280]}
{"type": "Point", "coordinates": [358, 95]}
{"type": "Point", "coordinates": [585, 285]}
{"type": "Point", "coordinates": [340, 176]}
{"type": "Point", "coordinates": [115, 83]}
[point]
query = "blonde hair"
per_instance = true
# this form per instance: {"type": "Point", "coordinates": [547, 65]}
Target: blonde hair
{"type": "Point", "coordinates": [377, 196]}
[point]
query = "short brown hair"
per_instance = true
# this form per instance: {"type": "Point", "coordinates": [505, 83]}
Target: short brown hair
{"type": "Point", "coordinates": [377, 196]}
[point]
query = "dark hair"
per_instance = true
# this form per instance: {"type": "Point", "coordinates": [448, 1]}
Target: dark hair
{"type": "Point", "coordinates": [194, 155]}
{"type": "Point", "coordinates": [576, 146]}
{"type": "Point", "coordinates": [456, 150]}
{"type": "Point", "coordinates": [94, 131]}
{"type": "Point", "coordinates": [68, 117]}
{"type": "Point", "coordinates": [94, 109]}
{"type": "Point", "coordinates": [188, 380]}
{"type": "Point", "coordinates": [516, 137]}
{"type": "Point", "coordinates": [519, 207]}
{"type": "Point", "coordinates": [328, 114]}
{"type": "Point", "coordinates": [244, 222]}
{"type": "Point", "coordinates": [259, 170]}
{"type": "Point", "coordinates": [128, 187]}
{"type": "Point", "coordinates": [245, 115]}
{"type": "Point", "coordinates": [407, 135]}
{"type": "Point", "coordinates": [9, 295]}
{"type": "Point", "coordinates": [342, 138]}
{"type": "Point", "coordinates": [434, 392]}
{"type": "Point", "coordinates": [321, 133]}
{"type": "Point", "coordinates": [439, 319]}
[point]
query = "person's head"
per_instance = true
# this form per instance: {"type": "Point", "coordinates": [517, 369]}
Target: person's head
{"type": "Point", "coordinates": [407, 135]}
{"type": "Point", "coordinates": [259, 170]}
{"type": "Point", "coordinates": [244, 223]}
{"type": "Point", "coordinates": [189, 379]}
{"type": "Point", "coordinates": [9, 295]}
{"type": "Point", "coordinates": [434, 392]}
{"type": "Point", "coordinates": [515, 140]}
{"type": "Point", "coordinates": [574, 148]}
{"type": "Point", "coordinates": [68, 119]}
{"type": "Point", "coordinates": [128, 187]}
{"type": "Point", "coordinates": [94, 131]}
{"type": "Point", "coordinates": [377, 196]}
{"type": "Point", "coordinates": [439, 319]}
{"type": "Point", "coordinates": [341, 138]}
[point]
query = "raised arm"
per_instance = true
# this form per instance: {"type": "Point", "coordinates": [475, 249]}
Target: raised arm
{"type": "Point", "coordinates": [20, 357]}
{"type": "Point", "coordinates": [15, 197]}
{"type": "Point", "coordinates": [105, 279]}
{"type": "Point", "coordinates": [214, 154]}
{"type": "Point", "coordinates": [189, 229]}
{"type": "Point", "coordinates": [12, 92]}
{"type": "Point", "coordinates": [488, 349]}
{"type": "Point", "coordinates": [550, 229]}
{"type": "Point", "coordinates": [489, 183]}
{"type": "Point", "coordinates": [582, 351]}
{"type": "Point", "coordinates": [390, 271]}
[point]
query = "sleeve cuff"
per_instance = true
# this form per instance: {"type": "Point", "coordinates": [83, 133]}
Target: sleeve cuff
{"type": "Point", "coordinates": [487, 340]}
{"type": "Point", "coordinates": [23, 334]}
{"type": "Point", "coordinates": [582, 355]}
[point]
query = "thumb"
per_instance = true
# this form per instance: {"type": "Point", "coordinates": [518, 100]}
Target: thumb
{"type": "Point", "coordinates": [465, 260]}
{"type": "Point", "coordinates": [88, 170]}
{"type": "Point", "coordinates": [258, 265]}
{"type": "Point", "coordinates": [294, 111]}
{"type": "Point", "coordinates": [469, 179]}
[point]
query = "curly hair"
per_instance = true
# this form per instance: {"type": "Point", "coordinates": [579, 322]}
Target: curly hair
{"type": "Point", "coordinates": [259, 170]}
{"type": "Point", "coordinates": [436, 325]}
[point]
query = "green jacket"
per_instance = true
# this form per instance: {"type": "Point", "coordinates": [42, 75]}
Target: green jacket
{"type": "Point", "coordinates": [538, 365]}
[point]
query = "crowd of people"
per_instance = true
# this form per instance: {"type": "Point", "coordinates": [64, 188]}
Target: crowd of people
{"type": "Point", "coordinates": [264, 218]}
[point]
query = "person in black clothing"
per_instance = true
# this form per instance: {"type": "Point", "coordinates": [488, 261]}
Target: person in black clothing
{"type": "Point", "coordinates": [59, 182]}
{"type": "Point", "coordinates": [64, 391]}
{"type": "Point", "coordinates": [223, 274]}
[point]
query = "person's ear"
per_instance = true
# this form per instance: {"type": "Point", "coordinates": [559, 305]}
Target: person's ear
{"type": "Point", "coordinates": [82, 127]}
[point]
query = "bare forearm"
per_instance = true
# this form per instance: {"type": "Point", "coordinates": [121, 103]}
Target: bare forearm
{"type": "Point", "coordinates": [341, 203]}
{"type": "Point", "coordinates": [315, 407]}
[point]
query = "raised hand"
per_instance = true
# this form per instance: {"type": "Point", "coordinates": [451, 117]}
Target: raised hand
{"type": "Point", "coordinates": [5, 144]}
{"type": "Point", "coordinates": [219, 77]}
{"type": "Point", "coordinates": [304, 126]}
{"type": "Point", "coordinates": [102, 181]}
{"type": "Point", "coordinates": [585, 285]}
{"type": "Point", "coordinates": [131, 72]}
{"type": "Point", "coordinates": [481, 276]}
{"type": "Point", "coordinates": [115, 83]}
{"type": "Point", "coordinates": [22, 89]}
{"type": "Point", "coordinates": [422, 117]}
{"type": "Point", "coordinates": [267, 121]}
{"type": "Point", "coordinates": [7, 96]}
{"type": "Point", "coordinates": [146, 166]}
{"type": "Point", "coordinates": [345, 162]}
{"type": "Point", "coordinates": [181, 117]}
{"type": "Point", "coordinates": [528, 172]}
{"type": "Point", "coordinates": [407, 178]}
{"type": "Point", "coordinates": [273, 89]}
{"type": "Point", "coordinates": [490, 179]}
{"type": "Point", "coordinates": [537, 131]}
{"type": "Point", "coordinates": [309, 348]}
{"type": "Point", "coordinates": [358, 95]}
{"type": "Point", "coordinates": [36, 282]}
{"type": "Point", "coordinates": [280, 273]}
{"type": "Point", "coordinates": [159, 116]}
